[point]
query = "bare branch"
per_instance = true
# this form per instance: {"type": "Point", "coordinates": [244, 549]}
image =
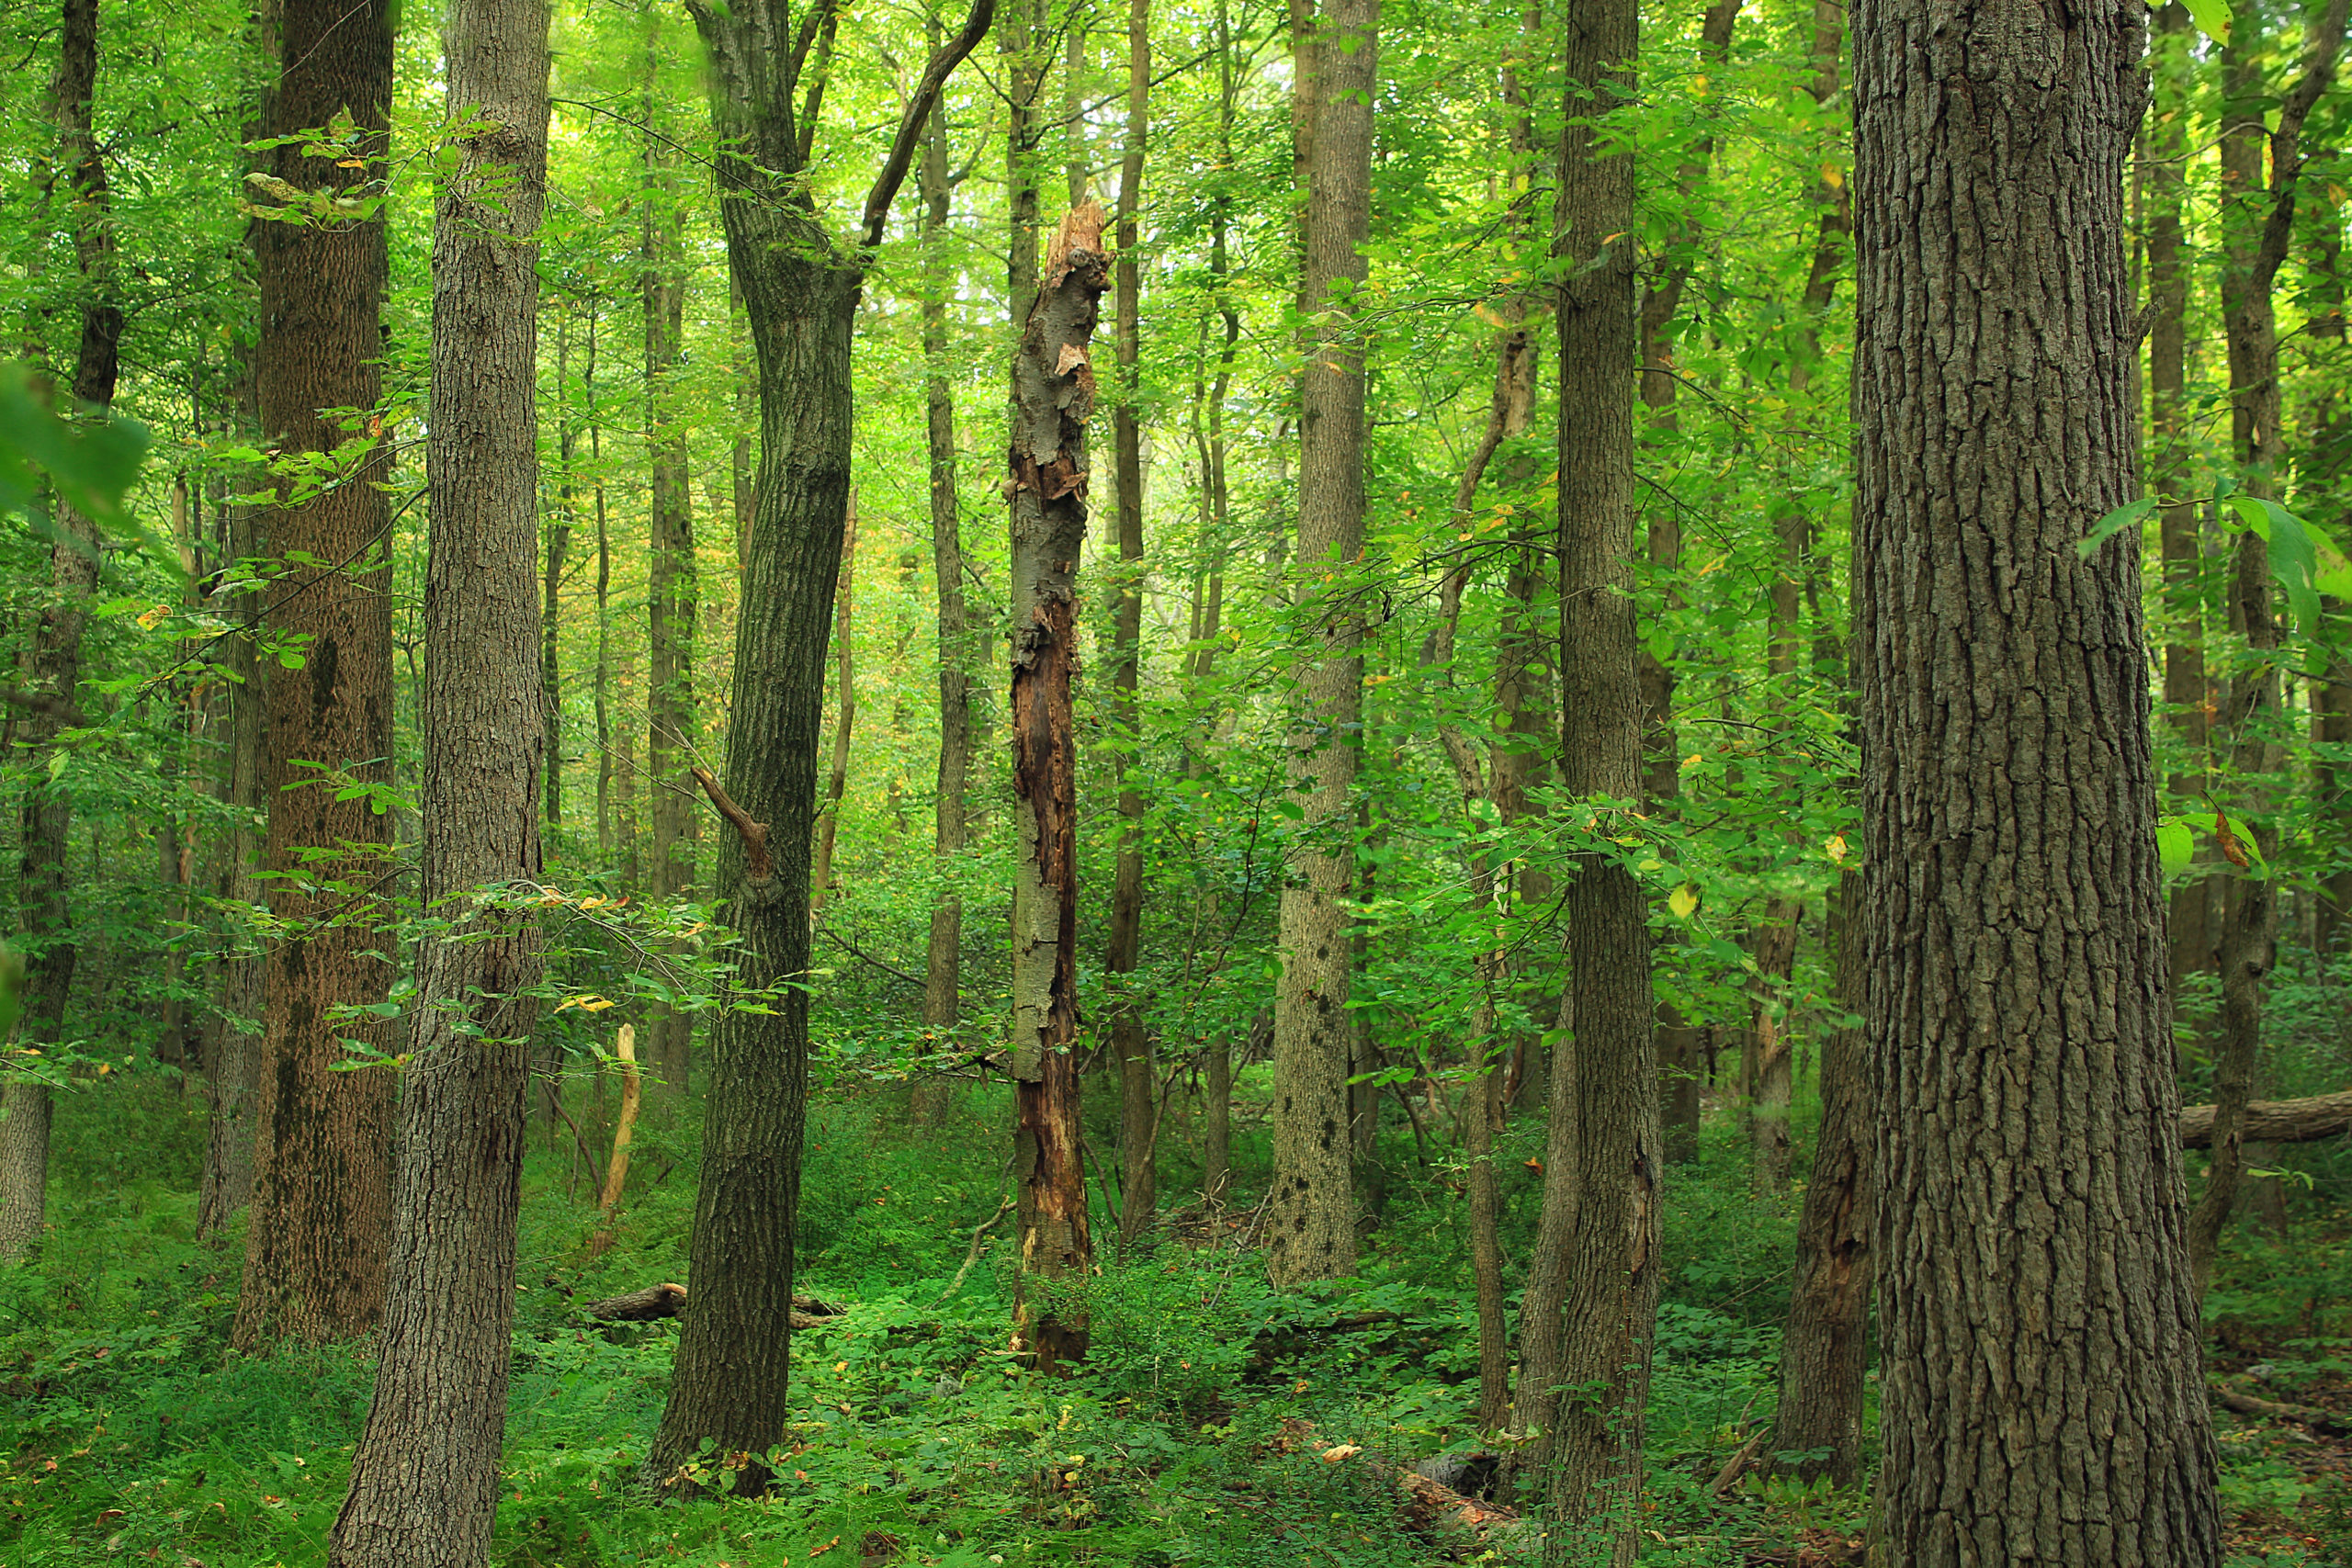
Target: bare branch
{"type": "Point", "coordinates": [917, 111]}
{"type": "Point", "coordinates": [754, 834]}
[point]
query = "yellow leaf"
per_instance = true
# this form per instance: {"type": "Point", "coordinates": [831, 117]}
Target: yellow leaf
{"type": "Point", "coordinates": [597, 1004]}
{"type": "Point", "coordinates": [2335, 193]}
{"type": "Point", "coordinates": [1684, 902]}
{"type": "Point", "coordinates": [147, 622]}
{"type": "Point", "coordinates": [351, 163]}
{"type": "Point", "coordinates": [1836, 848]}
{"type": "Point", "coordinates": [1691, 761]}
{"type": "Point", "coordinates": [1698, 86]}
{"type": "Point", "coordinates": [1831, 178]}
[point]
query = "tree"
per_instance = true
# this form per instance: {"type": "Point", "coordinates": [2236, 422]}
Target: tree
{"type": "Point", "coordinates": [53, 663]}
{"type": "Point", "coordinates": [2031, 1248]}
{"type": "Point", "coordinates": [424, 1482]}
{"type": "Point", "coordinates": [314, 1251]}
{"type": "Point", "coordinates": [1586, 1343]}
{"type": "Point", "coordinates": [1053, 396]}
{"type": "Point", "coordinates": [800, 293]}
{"type": "Point", "coordinates": [1311, 1229]}
{"type": "Point", "coordinates": [1131, 1044]}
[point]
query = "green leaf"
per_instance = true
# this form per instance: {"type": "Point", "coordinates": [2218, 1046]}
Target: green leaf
{"type": "Point", "coordinates": [2114, 522]}
{"type": "Point", "coordinates": [2176, 842]}
{"type": "Point", "coordinates": [2211, 16]}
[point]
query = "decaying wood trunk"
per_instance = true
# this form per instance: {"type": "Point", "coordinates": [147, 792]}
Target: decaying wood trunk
{"type": "Point", "coordinates": [1053, 396]}
{"type": "Point", "coordinates": [2274, 1120]}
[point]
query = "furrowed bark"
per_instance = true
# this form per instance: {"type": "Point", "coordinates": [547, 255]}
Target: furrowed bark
{"type": "Point", "coordinates": [424, 1482]}
{"type": "Point", "coordinates": [1601, 1202]}
{"type": "Point", "coordinates": [322, 1200]}
{"type": "Point", "coordinates": [2042, 1397]}
{"type": "Point", "coordinates": [820, 880]}
{"type": "Point", "coordinates": [1311, 1225]}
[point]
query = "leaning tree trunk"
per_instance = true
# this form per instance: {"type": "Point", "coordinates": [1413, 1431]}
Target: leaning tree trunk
{"type": "Point", "coordinates": [424, 1489]}
{"type": "Point", "coordinates": [53, 663]}
{"type": "Point", "coordinates": [829, 813]}
{"type": "Point", "coordinates": [1311, 1226]}
{"type": "Point", "coordinates": [728, 1391]}
{"type": "Point", "coordinates": [2042, 1397]}
{"type": "Point", "coordinates": [1053, 394]}
{"type": "Point", "coordinates": [1138, 1074]}
{"type": "Point", "coordinates": [314, 1250]}
{"type": "Point", "coordinates": [1601, 1194]}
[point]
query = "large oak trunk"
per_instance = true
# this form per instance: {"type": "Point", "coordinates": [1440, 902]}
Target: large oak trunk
{"type": "Point", "coordinates": [321, 1197]}
{"type": "Point", "coordinates": [2042, 1395]}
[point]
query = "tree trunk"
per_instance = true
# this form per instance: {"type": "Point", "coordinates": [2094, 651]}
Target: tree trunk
{"type": "Point", "coordinates": [2030, 1233]}
{"type": "Point", "coordinates": [820, 880]}
{"type": "Point", "coordinates": [1678, 1044]}
{"type": "Point", "coordinates": [1775, 944]}
{"type": "Point", "coordinates": [558, 550]}
{"type": "Point", "coordinates": [2172, 475]}
{"type": "Point", "coordinates": [603, 675]}
{"type": "Point", "coordinates": [2257, 223]}
{"type": "Point", "coordinates": [53, 663]}
{"type": "Point", "coordinates": [1825, 1348]}
{"type": "Point", "coordinates": [1053, 396]}
{"type": "Point", "coordinates": [1138, 1073]}
{"type": "Point", "coordinates": [424, 1482]}
{"type": "Point", "coordinates": [1600, 1202]}
{"type": "Point", "coordinates": [941, 1008]}
{"type": "Point", "coordinates": [671, 597]}
{"type": "Point", "coordinates": [800, 292]}
{"type": "Point", "coordinates": [1311, 1226]}
{"type": "Point", "coordinates": [314, 1251]}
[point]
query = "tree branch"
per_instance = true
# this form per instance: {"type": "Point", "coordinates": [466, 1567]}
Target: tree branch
{"type": "Point", "coordinates": [2322, 44]}
{"type": "Point", "coordinates": [754, 834]}
{"type": "Point", "coordinates": [910, 123]}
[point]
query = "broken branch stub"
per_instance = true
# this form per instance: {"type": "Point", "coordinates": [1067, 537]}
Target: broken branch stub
{"type": "Point", "coordinates": [754, 834]}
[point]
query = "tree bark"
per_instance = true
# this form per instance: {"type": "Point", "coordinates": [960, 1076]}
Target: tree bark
{"type": "Point", "coordinates": [315, 1249]}
{"type": "Point", "coordinates": [1824, 1348]}
{"type": "Point", "coordinates": [1600, 1199]}
{"type": "Point", "coordinates": [424, 1482]}
{"type": "Point", "coordinates": [558, 550]}
{"type": "Point", "coordinates": [1311, 1226]}
{"type": "Point", "coordinates": [800, 293]}
{"type": "Point", "coordinates": [53, 661]}
{"type": "Point", "coordinates": [2042, 1397]}
{"type": "Point", "coordinates": [1139, 1072]}
{"type": "Point", "coordinates": [1053, 396]}
{"type": "Point", "coordinates": [820, 880]}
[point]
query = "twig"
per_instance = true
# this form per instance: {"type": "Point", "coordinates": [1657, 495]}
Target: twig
{"type": "Point", "coordinates": [973, 1255]}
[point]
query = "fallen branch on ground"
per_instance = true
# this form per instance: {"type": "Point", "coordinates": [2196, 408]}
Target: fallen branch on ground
{"type": "Point", "coordinates": [669, 1299]}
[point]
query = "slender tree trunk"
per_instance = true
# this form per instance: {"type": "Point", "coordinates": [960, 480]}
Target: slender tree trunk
{"type": "Point", "coordinates": [232, 1063]}
{"type": "Point", "coordinates": [1600, 1202]}
{"type": "Point", "coordinates": [1311, 1228]}
{"type": "Point", "coordinates": [943, 963]}
{"type": "Point", "coordinates": [603, 675]}
{"type": "Point", "coordinates": [670, 596]}
{"type": "Point", "coordinates": [1053, 396]}
{"type": "Point", "coordinates": [315, 1249]}
{"type": "Point", "coordinates": [558, 550]}
{"type": "Point", "coordinates": [2172, 455]}
{"type": "Point", "coordinates": [2257, 225]}
{"type": "Point", "coordinates": [730, 1387]}
{"type": "Point", "coordinates": [2030, 1233]}
{"type": "Point", "coordinates": [820, 880]}
{"type": "Point", "coordinates": [53, 663]}
{"type": "Point", "coordinates": [424, 1482]}
{"type": "Point", "coordinates": [1825, 1349]}
{"type": "Point", "coordinates": [1138, 1073]}
{"type": "Point", "coordinates": [1678, 1043]}
{"type": "Point", "coordinates": [739, 456]}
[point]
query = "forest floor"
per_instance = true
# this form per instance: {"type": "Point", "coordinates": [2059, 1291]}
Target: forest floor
{"type": "Point", "coordinates": [1217, 1423]}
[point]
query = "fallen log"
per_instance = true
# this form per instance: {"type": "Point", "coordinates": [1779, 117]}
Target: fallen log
{"type": "Point", "coordinates": [2275, 1121]}
{"type": "Point", "coordinates": [2326, 1421]}
{"type": "Point", "coordinates": [669, 1299]}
